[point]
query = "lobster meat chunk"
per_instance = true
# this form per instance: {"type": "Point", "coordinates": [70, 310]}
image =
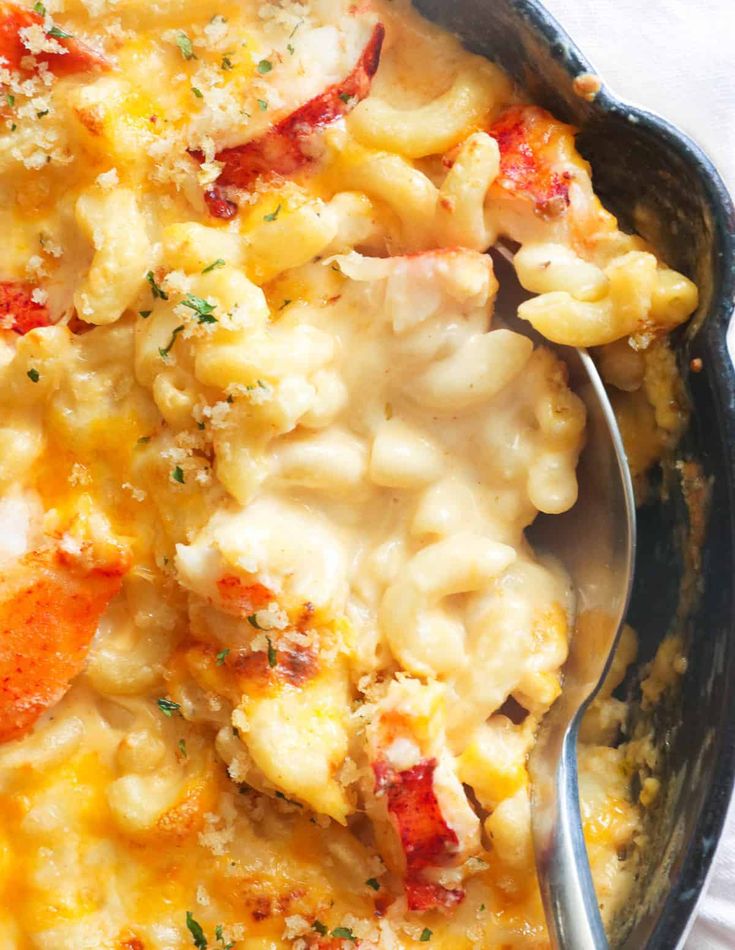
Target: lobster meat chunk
{"type": "Point", "coordinates": [426, 838]}
{"type": "Point", "coordinates": [18, 310]}
{"type": "Point", "coordinates": [28, 39]}
{"type": "Point", "coordinates": [532, 144]}
{"type": "Point", "coordinates": [289, 144]}
{"type": "Point", "coordinates": [425, 826]}
{"type": "Point", "coordinates": [50, 606]}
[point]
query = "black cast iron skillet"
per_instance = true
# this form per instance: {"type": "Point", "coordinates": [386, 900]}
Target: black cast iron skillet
{"type": "Point", "coordinates": [660, 184]}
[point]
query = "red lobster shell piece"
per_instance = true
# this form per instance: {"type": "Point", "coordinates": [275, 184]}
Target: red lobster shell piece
{"type": "Point", "coordinates": [17, 304]}
{"type": "Point", "coordinates": [77, 58]}
{"type": "Point", "coordinates": [426, 838]}
{"type": "Point", "coordinates": [287, 146]}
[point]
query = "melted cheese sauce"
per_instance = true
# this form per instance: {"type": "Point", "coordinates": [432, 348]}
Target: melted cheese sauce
{"type": "Point", "coordinates": [318, 450]}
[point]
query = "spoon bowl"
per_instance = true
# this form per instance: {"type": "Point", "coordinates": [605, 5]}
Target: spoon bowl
{"type": "Point", "coordinates": [595, 541]}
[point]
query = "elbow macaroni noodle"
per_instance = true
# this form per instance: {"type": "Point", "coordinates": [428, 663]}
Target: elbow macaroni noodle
{"type": "Point", "coordinates": [267, 458]}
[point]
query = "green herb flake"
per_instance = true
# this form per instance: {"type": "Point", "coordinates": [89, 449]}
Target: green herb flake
{"type": "Point", "coordinates": [227, 63]}
{"type": "Point", "coordinates": [346, 97]}
{"type": "Point", "coordinates": [285, 303]}
{"type": "Point", "coordinates": [10, 99]}
{"type": "Point", "coordinates": [144, 440]}
{"type": "Point", "coordinates": [343, 933]}
{"type": "Point", "coordinates": [195, 929]}
{"type": "Point", "coordinates": [272, 655]}
{"type": "Point", "coordinates": [158, 292]}
{"type": "Point", "coordinates": [253, 621]}
{"type": "Point", "coordinates": [264, 66]}
{"type": "Point", "coordinates": [201, 425]}
{"type": "Point", "coordinates": [165, 350]}
{"type": "Point", "coordinates": [289, 47]}
{"type": "Point", "coordinates": [145, 313]}
{"type": "Point", "coordinates": [426, 935]}
{"type": "Point", "coordinates": [184, 44]}
{"type": "Point", "coordinates": [262, 105]}
{"type": "Point", "coordinates": [177, 475]}
{"type": "Point", "coordinates": [42, 113]}
{"type": "Point", "coordinates": [182, 747]}
{"type": "Point", "coordinates": [214, 265]}
{"type": "Point", "coordinates": [59, 34]}
{"type": "Point", "coordinates": [319, 927]}
{"type": "Point", "coordinates": [167, 706]}
{"type": "Point", "coordinates": [222, 656]}
{"type": "Point", "coordinates": [273, 215]}
{"type": "Point", "coordinates": [201, 308]}
{"type": "Point", "coordinates": [33, 375]}
{"type": "Point", "coordinates": [482, 908]}
{"type": "Point", "coordinates": [372, 883]}
{"type": "Point", "coordinates": [40, 9]}
{"type": "Point", "coordinates": [220, 936]}
{"type": "Point", "coordinates": [197, 92]}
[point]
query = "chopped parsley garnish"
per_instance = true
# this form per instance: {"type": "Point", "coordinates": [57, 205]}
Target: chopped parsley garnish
{"type": "Point", "coordinates": [10, 99]}
{"type": "Point", "coordinates": [272, 655]}
{"type": "Point", "coordinates": [222, 656]}
{"type": "Point", "coordinates": [482, 907]}
{"type": "Point", "coordinates": [165, 350]}
{"type": "Point", "coordinates": [144, 440]}
{"type": "Point", "coordinates": [219, 934]}
{"type": "Point", "coordinates": [145, 313]}
{"type": "Point", "coordinates": [201, 308]}
{"type": "Point", "coordinates": [262, 105]}
{"type": "Point", "coordinates": [59, 34]}
{"type": "Point", "coordinates": [201, 425]}
{"type": "Point", "coordinates": [214, 265]}
{"type": "Point", "coordinates": [195, 929]}
{"type": "Point", "coordinates": [178, 475]}
{"type": "Point", "coordinates": [184, 44]}
{"type": "Point", "coordinates": [371, 882]}
{"type": "Point", "coordinates": [289, 47]}
{"type": "Point", "coordinates": [33, 375]}
{"type": "Point", "coordinates": [264, 66]}
{"type": "Point", "coordinates": [158, 292]}
{"type": "Point", "coordinates": [167, 706]}
{"type": "Point", "coordinates": [253, 621]}
{"type": "Point", "coordinates": [40, 9]}
{"type": "Point", "coordinates": [227, 63]}
{"type": "Point", "coordinates": [426, 935]}
{"type": "Point", "coordinates": [343, 933]}
{"type": "Point", "coordinates": [197, 92]}
{"type": "Point", "coordinates": [346, 97]}
{"type": "Point", "coordinates": [273, 215]}
{"type": "Point", "coordinates": [182, 747]}
{"type": "Point", "coordinates": [42, 113]}
{"type": "Point", "coordinates": [319, 927]}
{"type": "Point", "coordinates": [285, 303]}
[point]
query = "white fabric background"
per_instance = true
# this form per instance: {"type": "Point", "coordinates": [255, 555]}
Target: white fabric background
{"type": "Point", "coordinates": [674, 57]}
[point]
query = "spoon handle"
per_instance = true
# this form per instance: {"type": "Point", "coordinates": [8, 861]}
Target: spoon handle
{"type": "Point", "coordinates": [567, 890]}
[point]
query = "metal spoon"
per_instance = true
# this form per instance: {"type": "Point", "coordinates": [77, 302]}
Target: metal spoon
{"type": "Point", "coordinates": [595, 541]}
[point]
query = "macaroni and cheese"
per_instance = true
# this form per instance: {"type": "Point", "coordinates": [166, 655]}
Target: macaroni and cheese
{"type": "Point", "coordinates": [273, 644]}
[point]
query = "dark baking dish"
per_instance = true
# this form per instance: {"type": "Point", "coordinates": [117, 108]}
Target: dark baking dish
{"type": "Point", "coordinates": [660, 184]}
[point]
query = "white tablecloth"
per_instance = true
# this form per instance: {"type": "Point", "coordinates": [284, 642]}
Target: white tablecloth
{"type": "Point", "coordinates": [674, 57]}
